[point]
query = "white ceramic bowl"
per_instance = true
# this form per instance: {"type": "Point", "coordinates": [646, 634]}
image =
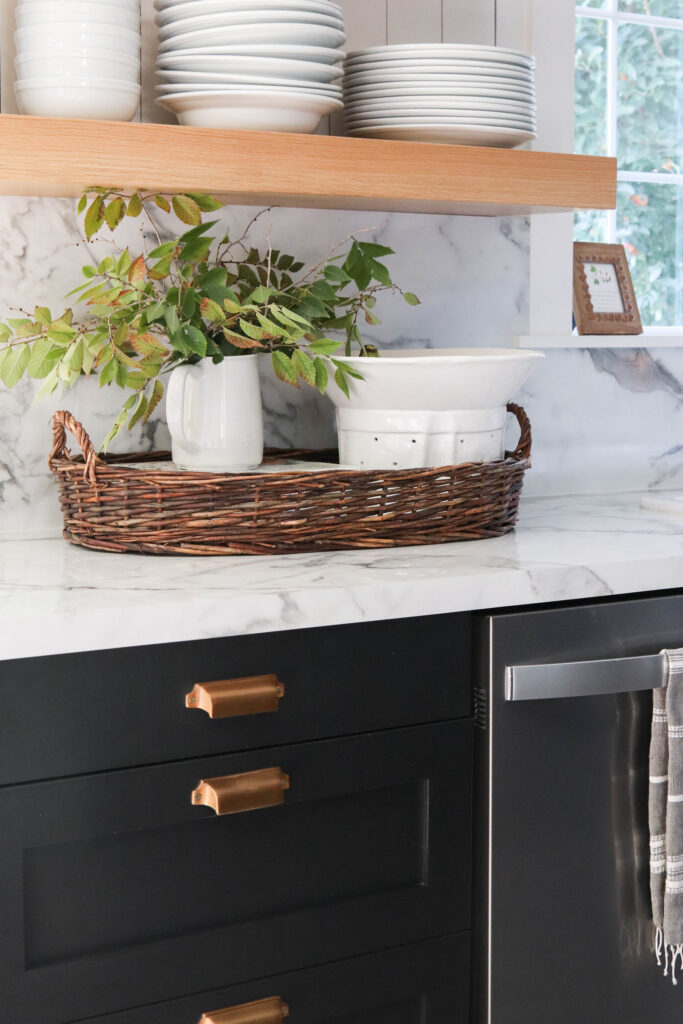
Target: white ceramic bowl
{"type": "Point", "coordinates": [61, 38]}
{"type": "Point", "coordinates": [272, 32]}
{"type": "Point", "coordinates": [73, 66]}
{"type": "Point", "coordinates": [264, 110]}
{"type": "Point", "coordinates": [83, 98]}
{"type": "Point", "coordinates": [255, 17]}
{"type": "Point", "coordinates": [432, 407]}
{"type": "Point", "coordinates": [41, 11]}
{"type": "Point", "coordinates": [129, 5]}
{"type": "Point", "coordinates": [265, 68]}
{"type": "Point", "coordinates": [170, 10]}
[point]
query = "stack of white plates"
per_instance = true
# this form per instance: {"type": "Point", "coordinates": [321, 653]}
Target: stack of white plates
{"type": "Point", "coordinates": [262, 65]}
{"type": "Point", "coordinates": [78, 58]}
{"type": "Point", "coordinates": [462, 94]}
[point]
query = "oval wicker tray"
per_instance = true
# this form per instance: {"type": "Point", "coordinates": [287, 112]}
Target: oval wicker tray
{"type": "Point", "coordinates": [119, 503]}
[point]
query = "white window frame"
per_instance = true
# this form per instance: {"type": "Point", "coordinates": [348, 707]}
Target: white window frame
{"type": "Point", "coordinates": [547, 28]}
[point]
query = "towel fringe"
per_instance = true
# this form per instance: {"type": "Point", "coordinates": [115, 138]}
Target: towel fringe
{"type": "Point", "coordinates": [671, 955]}
{"type": "Point", "coordinates": [659, 943]}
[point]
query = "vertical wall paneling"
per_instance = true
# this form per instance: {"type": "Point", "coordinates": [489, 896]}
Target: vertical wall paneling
{"type": "Point", "coordinates": [410, 22]}
{"type": "Point", "coordinates": [8, 100]}
{"type": "Point", "coordinates": [468, 21]}
{"type": "Point", "coordinates": [366, 25]}
{"type": "Point", "coordinates": [513, 23]}
{"type": "Point", "coordinates": [149, 111]}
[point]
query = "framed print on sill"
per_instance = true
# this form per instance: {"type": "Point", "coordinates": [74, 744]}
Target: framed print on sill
{"type": "Point", "coordinates": [604, 299]}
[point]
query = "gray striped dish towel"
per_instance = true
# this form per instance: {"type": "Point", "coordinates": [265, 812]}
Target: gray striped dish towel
{"type": "Point", "coordinates": [666, 817]}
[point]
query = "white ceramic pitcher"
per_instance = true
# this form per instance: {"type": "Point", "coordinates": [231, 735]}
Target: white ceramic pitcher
{"type": "Point", "coordinates": [215, 415]}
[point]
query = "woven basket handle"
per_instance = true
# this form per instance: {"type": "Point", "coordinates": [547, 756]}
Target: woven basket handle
{"type": "Point", "coordinates": [523, 449]}
{"type": "Point", "coordinates": [61, 422]}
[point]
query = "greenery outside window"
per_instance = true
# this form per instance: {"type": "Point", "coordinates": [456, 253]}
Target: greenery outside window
{"type": "Point", "coordinates": [629, 104]}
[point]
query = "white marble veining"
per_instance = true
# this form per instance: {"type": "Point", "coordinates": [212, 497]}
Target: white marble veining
{"type": "Point", "coordinates": [57, 598]}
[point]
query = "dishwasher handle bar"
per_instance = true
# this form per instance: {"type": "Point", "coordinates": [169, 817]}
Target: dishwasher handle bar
{"type": "Point", "coordinates": [586, 678]}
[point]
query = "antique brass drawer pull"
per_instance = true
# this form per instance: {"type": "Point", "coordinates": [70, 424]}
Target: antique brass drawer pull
{"type": "Point", "coordinates": [233, 794]}
{"type": "Point", "coordinates": [229, 698]}
{"type": "Point", "coordinates": [265, 1011]}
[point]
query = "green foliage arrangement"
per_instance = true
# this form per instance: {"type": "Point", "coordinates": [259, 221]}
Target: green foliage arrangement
{"type": "Point", "coordinates": [196, 297]}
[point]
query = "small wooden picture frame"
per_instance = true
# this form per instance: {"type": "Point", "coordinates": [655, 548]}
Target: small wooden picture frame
{"type": "Point", "coordinates": [604, 299]}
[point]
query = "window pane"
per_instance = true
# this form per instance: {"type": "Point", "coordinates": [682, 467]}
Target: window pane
{"type": "Point", "coordinates": [650, 224]}
{"type": "Point", "coordinates": [650, 94]}
{"type": "Point", "coordinates": [657, 8]}
{"type": "Point", "coordinates": [591, 226]}
{"type": "Point", "coordinates": [591, 3]}
{"type": "Point", "coordinates": [590, 86]}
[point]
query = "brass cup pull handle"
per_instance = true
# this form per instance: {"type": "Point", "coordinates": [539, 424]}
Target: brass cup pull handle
{"type": "Point", "coordinates": [249, 791]}
{"type": "Point", "coordinates": [265, 1011]}
{"type": "Point", "coordinates": [230, 698]}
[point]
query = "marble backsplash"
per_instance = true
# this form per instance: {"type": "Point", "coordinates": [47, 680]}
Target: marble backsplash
{"type": "Point", "coordinates": [603, 420]}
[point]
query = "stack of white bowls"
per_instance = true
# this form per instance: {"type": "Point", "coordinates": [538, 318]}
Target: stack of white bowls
{"type": "Point", "coordinates": [453, 93]}
{"type": "Point", "coordinates": [262, 65]}
{"type": "Point", "coordinates": [78, 58]}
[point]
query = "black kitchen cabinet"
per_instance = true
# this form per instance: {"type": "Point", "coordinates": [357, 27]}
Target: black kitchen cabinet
{"type": "Point", "coordinates": [425, 983]}
{"type": "Point", "coordinates": [90, 712]}
{"type": "Point", "coordinates": [117, 891]}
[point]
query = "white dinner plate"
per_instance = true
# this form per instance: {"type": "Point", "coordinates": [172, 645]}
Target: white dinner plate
{"type": "Point", "coordinates": [488, 68]}
{"type": "Point", "coordinates": [525, 110]}
{"type": "Point", "coordinates": [183, 8]}
{"type": "Point", "coordinates": [261, 67]}
{"type": "Point", "coordinates": [208, 78]}
{"type": "Point", "coordinates": [382, 120]}
{"type": "Point", "coordinates": [374, 78]}
{"type": "Point", "coordinates": [273, 33]}
{"type": "Point", "coordinates": [274, 111]}
{"type": "Point", "coordinates": [181, 89]}
{"type": "Point", "coordinates": [255, 17]}
{"type": "Point", "coordinates": [319, 54]}
{"type": "Point", "coordinates": [464, 91]}
{"type": "Point", "coordinates": [457, 135]}
{"type": "Point", "coordinates": [468, 51]}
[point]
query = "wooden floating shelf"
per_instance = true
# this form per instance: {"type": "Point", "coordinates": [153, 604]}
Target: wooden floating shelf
{"type": "Point", "coordinates": [56, 157]}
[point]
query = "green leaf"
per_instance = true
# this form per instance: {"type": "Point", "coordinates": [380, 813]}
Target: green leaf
{"type": "Point", "coordinates": [211, 311]}
{"type": "Point", "coordinates": [119, 421]}
{"type": "Point", "coordinates": [153, 401]}
{"type": "Point", "coordinates": [43, 357]}
{"type": "Point", "coordinates": [260, 295]}
{"type": "Point", "coordinates": [304, 366]}
{"type": "Point", "coordinates": [94, 217]}
{"type": "Point", "coordinates": [373, 249]}
{"type": "Point", "coordinates": [380, 273]}
{"type": "Point", "coordinates": [139, 410]}
{"type": "Point", "coordinates": [14, 364]}
{"type": "Point", "coordinates": [321, 375]}
{"type": "Point", "coordinates": [187, 210]}
{"type": "Point", "coordinates": [43, 316]}
{"type": "Point", "coordinates": [163, 203]}
{"type": "Point", "coordinates": [114, 213]}
{"type": "Point", "coordinates": [162, 250]}
{"type": "Point", "coordinates": [171, 318]}
{"type": "Point", "coordinates": [121, 375]}
{"type": "Point", "coordinates": [134, 206]}
{"type": "Point", "coordinates": [411, 299]}
{"type": "Point", "coordinates": [341, 381]}
{"type": "Point", "coordinates": [335, 273]}
{"type": "Point", "coordinates": [189, 303]}
{"type": "Point", "coordinates": [251, 330]}
{"type": "Point", "coordinates": [88, 272]}
{"type": "Point", "coordinates": [196, 340]}
{"type": "Point", "coordinates": [154, 312]}
{"type": "Point", "coordinates": [161, 269]}
{"type": "Point", "coordinates": [107, 373]}
{"type": "Point", "coordinates": [205, 202]}
{"type": "Point", "coordinates": [61, 334]}
{"type": "Point", "coordinates": [196, 250]}
{"type": "Point", "coordinates": [82, 203]}
{"type": "Point", "coordinates": [284, 368]}
{"type": "Point", "coordinates": [325, 346]}
{"type": "Point", "coordinates": [73, 359]}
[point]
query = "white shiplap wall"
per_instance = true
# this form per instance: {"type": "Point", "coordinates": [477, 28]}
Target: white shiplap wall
{"type": "Point", "coordinates": [368, 23]}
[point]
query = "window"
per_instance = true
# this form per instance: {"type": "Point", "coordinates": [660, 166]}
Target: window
{"type": "Point", "coordinates": [629, 104]}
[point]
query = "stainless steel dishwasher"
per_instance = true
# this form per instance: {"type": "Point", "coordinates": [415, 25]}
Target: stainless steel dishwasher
{"type": "Point", "coordinates": [562, 911]}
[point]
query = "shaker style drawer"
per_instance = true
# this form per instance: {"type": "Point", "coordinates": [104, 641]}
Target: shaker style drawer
{"type": "Point", "coordinates": [424, 983]}
{"type": "Point", "coordinates": [127, 888]}
{"type": "Point", "coordinates": [75, 714]}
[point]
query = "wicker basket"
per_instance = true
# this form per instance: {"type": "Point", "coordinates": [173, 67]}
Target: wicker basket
{"type": "Point", "coordinates": [112, 506]}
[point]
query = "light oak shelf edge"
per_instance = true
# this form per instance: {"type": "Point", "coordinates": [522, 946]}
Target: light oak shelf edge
{"type": "Point", "coordinates": [57, 157]}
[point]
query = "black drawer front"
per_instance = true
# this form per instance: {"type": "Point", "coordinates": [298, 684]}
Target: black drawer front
{"type": "Point", "coordinates": [76, 714]}
{"type": "Point", "coordinates": [426, 983]}
{"type": "Point", "coordinates": [117, 891]}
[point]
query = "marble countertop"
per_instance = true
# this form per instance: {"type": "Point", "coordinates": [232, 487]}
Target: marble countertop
{"type": "Point", "coordinates": [57, 598]}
